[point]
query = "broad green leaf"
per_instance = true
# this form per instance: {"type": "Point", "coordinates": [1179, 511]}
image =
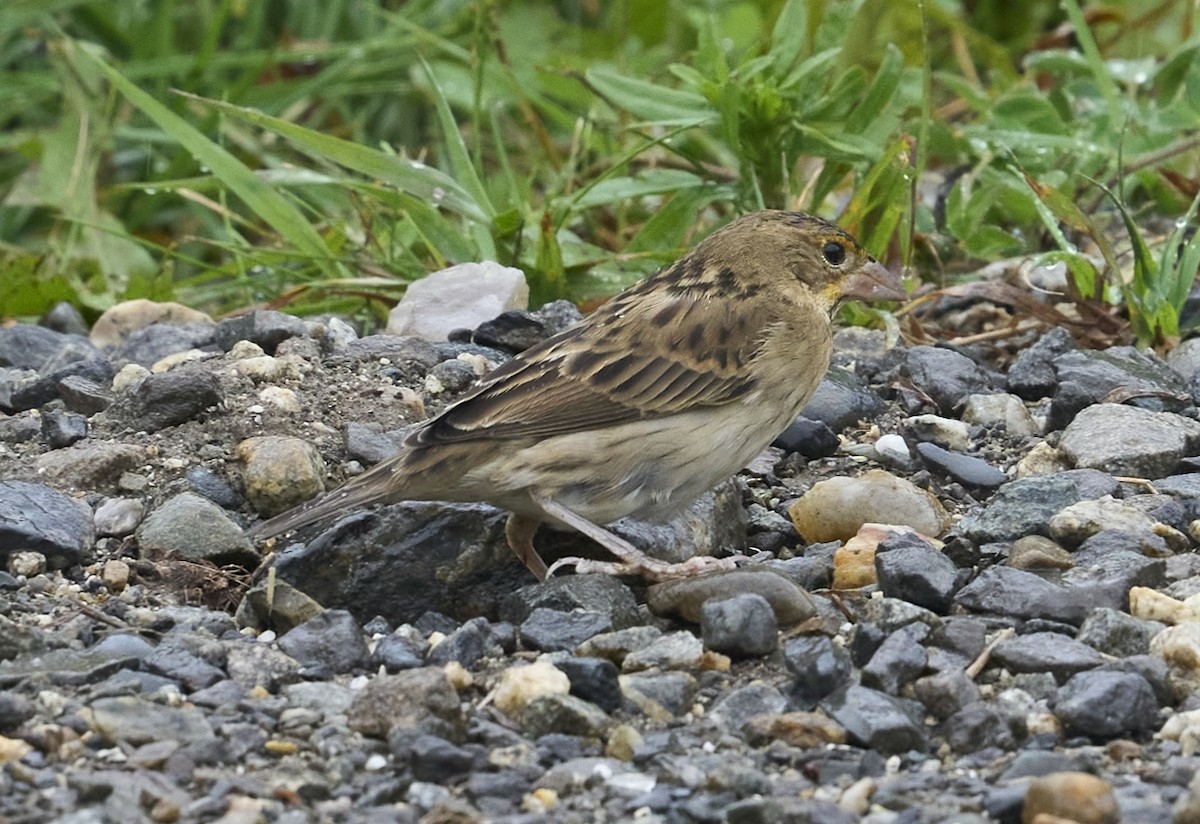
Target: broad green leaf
{"type": "Point", "coordinates": [650, 101]}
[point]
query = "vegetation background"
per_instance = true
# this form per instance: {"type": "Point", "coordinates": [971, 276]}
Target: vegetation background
{"type": "Point", "coordinates": [319, 156]}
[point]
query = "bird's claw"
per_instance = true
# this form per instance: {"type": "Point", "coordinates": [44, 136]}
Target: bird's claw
{"type": "Point", "coordinates": [646, 567]}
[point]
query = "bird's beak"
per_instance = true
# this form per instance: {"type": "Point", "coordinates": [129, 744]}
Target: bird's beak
{"type": "Point", "coordinates": [874, 282]}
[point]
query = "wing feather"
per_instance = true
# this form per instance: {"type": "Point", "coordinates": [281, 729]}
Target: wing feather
{"type": "Point", "coordinates": [637, 357]}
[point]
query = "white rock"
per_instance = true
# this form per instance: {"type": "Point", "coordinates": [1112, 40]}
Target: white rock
{"type": "Point", "coordinates": [1001, 408]}
{"type": "Point", "coordinates": [947, 432]}
{"type": "Point", "coordinates": [1078, 522]}
{"type": "Point", "coordinates": [892, 447]}
{"type": "Point", "coordinates": [130, 376]}
{"type": "Point", "coordinates": [461, 297]}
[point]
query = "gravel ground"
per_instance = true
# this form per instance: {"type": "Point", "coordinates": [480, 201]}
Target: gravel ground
{"type": "Point", "coordinates": [971, 593]}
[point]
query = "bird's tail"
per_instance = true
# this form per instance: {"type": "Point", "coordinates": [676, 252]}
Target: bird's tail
{"type": "Point", "coordinates": [366, 489]}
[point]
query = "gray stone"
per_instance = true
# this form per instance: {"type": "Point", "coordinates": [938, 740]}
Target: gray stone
{"type": "Point", "coordinates": [672, 693]}
{"type": "Point", "coordinates": [513, 331]}
{"type": "Point", "coordinates": [1032, 375]}
{"type": "Point", "coordinates": [976, 726]}
{"type": "Point", "coordinates": [137, 721]}
{"type": "Point", "coordinates": [150, 344]}
{"type": "Point", "coordinates": [593, 679]}
{"type": "Point", "coordinates": [877, 720]}
{"type": "Point", "coordinates": [820, 668]}
{"type": "Point", "coordinates": [552, 629]}
{"type": "Point", "coordinates": [743, 626]}
{"type": "Point", "coordinates": [945, 693]}
{"type": "Point", "coordinates": [1046, 652]}
{"type": "Point", "coordinates": [597, 594]}
{"type": "Point", "coordinates": [1086, 377]}
{"type": "Point", "coordinates": [739, 705]}
{"type": "Point", "coordinates": [945, 376]}
{"type": "Point", "coordinates": [468, 645]}
{"type": "Point", "coordinates": [196, 529]}
{"type": "Point", "coordinates": [263, 327]}
{"type": "Point", "coordinates": [171, 398]}
{"type": "Point", "coordinates": [36, 517]}
{"type": "Point", "coordinates": [332, 639]}
{"type": "Point", "coordinates": [1126, 440]}
{"type": "Point", "coordinates": [898, 661]}
{"type": "Point", "coordinates": [1021, 507]}
{"type": "Point", "coordinates": [1106, 704]}
{"type": "Point", "coordinates": [1114, 632]}
{"type": "Point", "coordinates": [913, 571]}
{"type": "Point", "coordinates": [968, 470]}
{"type": "Point", "coordinates": [1020, 594]}
{"type": "Point", "coordinates": [26, 346]}
{"type": "Point", "coordinates": [842, 399]}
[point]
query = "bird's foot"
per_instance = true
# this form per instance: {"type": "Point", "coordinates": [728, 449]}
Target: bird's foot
{"type": "Point", "coordinates": [646, 567]}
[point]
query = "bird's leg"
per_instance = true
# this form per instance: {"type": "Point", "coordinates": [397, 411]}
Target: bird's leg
{"type": "Point", "coordinates": [632, 560]}
{"type": "Point", "coordinates": [519, 530]}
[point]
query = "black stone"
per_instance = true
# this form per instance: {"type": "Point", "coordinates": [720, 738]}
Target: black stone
{"type": "Point", "coordinates": [811, 439]}
{"type": "Point", "coordinates": [593, 679]}
{"type": "Point", "coordinates": [172, 398]}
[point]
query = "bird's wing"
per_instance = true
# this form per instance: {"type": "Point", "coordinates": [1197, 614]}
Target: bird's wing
{"type": "Point", "coordinates": [645, 354]}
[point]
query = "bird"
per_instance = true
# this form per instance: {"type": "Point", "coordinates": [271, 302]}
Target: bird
{"type": "Point", "coordinates": [661, 393]}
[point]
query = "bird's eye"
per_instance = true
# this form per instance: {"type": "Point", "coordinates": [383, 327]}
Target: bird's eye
{"type": "Point", "coordinates": [834, 253]}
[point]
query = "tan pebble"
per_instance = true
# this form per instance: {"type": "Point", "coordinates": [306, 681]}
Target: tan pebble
{"type": "Point", "coordinates": [1074, 796]}
{"type": "Point", "coordinates": [280, 397]}
{"type": "Point", "coordinates": [1043, 459]}
{"type": "Point", "coordinates": [520, 685]}
{"type": "Point", "coordinates": [165, 811]}
{"type": "Point", "coordinates": [854, 563]}
{"type": "Point", "coordinates": [27, 563]}
{"type": "Point", "coordinates": [854, 566]}
{"type": "Point", "coordinates": [835, 509]}
{"type": "Point", "coordinates": [1123, 749]}
{"type": "Point", "coordinates": [277, 747]}
{"type": "Point", "coordinates": [280, 472]}
{"type": "Point", "coordinates": [1179, 647]}
{"type": "Point", "coordinates": [715, 661]}
{"type": "Point", "coordinates": [261, 368]}
{"type": "Point", "coordinates": [128, 316]}
{"type": "Point", "coordinates": [12, 749]}
{"type": "Point", "coordinates": [540, 800]}
{"type": "Point", "coordinates": [459, 676]}
{"type": "Point", "coordinates": [622, 741]}
{"type": "Point", "coordinates": [1151, 605]}
{"type": "Point", "coordinates": [1038, 552]}
{"type": "Point", "coordinates": [243, 349]}
{"type": "Point", "coordinates": [796, 729]}
{"type": "Point", "coordinates": [166, 364]}
{"type": "Point", "coordinates": [685, 597]}
{"type": "Point", "coordinates": [1183, 727]}
{"type": "Point", "coordinates": [115, 575]}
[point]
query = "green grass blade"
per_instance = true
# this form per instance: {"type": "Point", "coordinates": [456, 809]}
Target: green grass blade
{"type": "Point", "coordinates": [459, 156]}
{"type": "Point", "coordinates": [412, 177]}
{"type": "Point", "coordinates": [272, 207]}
